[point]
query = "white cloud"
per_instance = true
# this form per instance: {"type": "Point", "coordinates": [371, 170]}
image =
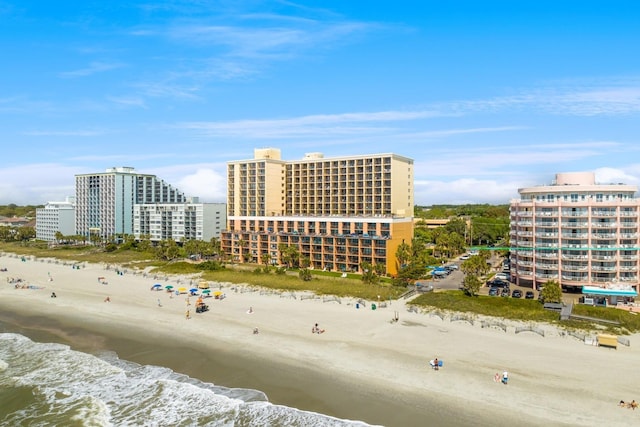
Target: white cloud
{"type": "Point", "coordinates": [93, 68]}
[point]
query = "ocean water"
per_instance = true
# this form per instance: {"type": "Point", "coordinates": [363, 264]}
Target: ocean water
{"type": "Point", "coordinates": [49, 384]}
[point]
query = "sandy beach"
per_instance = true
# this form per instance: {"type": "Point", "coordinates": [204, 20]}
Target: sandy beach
{"type": "Point", "coordinates": [363, 367]}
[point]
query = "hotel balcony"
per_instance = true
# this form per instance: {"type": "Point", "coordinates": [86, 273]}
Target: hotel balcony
{"type": "Point", "coordinates": [570, 213]}
{"type": "Point", "coordinates": [575, 235]}
{"type": "Point", "coordinates": [525, 243]}
{"type": "Point", "coordinates": [575, 278]}
{"type": "Point", "coordinates": [547, 276]}
{"type": "Point", "coordinates": [569, 267]}
{"type": "Point", "coordinates": [603, 279]}
{"type": "Point", "coordinates": [524, 224]}
{"type": "Point", "coordinates": [628, 268]}
{"type": "Point", "coordinates": [525, 274]}
{"type": "Point", "coordinates": [570, 256]}
{"type": "Point", "coordinates": [547, 254]}
{"type": "Point", "coordinates": [545, 266]}
{"type": "Point", "coordinates": [628, 235]}
{"type": "Point", "coordinates": [522, 263]}
{"type": "Point", "coordinates": [578, 224]}
{"type": "Point", "coordinates": [628, 214]}
{"type": "Point", "coordinates": [629, 257]}
{"type": "Point", "coordinates": [543, 234]}
{"type": "Point", "coordinates": [603, 257]}
{"type": "Point", "coordinates": [603, 213]}
{"type": "Point", "coordinates": [546, 214]}
{"type": "Point", "coordinates": [628, 225]}
{"type": "Point", "coordinates": [604, 225]}
{"type": "Point", "coordinates": [626, 278]}
{"type": "Point", "coordinates": [603, 268]}
{"type": "Point", "coordinates": [553, 245]}
{"type": "Point", "coordinates": [603, 236]}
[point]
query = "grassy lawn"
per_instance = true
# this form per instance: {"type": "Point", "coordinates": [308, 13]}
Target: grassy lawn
{"type": "Point", "coordinates": [528, 311]}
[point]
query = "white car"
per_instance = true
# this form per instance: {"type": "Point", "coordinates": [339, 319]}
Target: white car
{"type": "Point", "coordinates": [465, 257]}
{"type": "Point", "coordinates": [501, 276]}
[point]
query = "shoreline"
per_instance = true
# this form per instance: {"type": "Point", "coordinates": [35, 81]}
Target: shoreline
{"type": "Point", "coordinates": [363, 367]}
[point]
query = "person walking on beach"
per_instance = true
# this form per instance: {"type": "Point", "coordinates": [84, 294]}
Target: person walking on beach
{"type": "Point", "coordinates": [505, 377]}
{"type": "Point", "coordinates": [436, 365]}
{"type": "Point", "coordinates": [159, 303]}
{"type": "Point", "coordinates": [188, 315]}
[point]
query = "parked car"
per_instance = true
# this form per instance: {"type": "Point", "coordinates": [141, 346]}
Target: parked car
{"type": "Point", "coordinates": [465, 257]}
{"type": "Point", "coordinates": [501, 276]}
{"type": "Point", "coordinates": [517, 293]}
{"type": "Point", "coordinates": [529, 295]}
{"type": "Point", "coordinates": [493, 292]}
{"type": "Point", "coordinates": [498, 283]}
{"type": "Point", "coordinates": [505, 292]}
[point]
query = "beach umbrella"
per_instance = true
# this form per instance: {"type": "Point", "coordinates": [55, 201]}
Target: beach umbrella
{"type": "Point", "coordinates": [169, 287]}
{"type": "Point", "coordinates": [217, 293]}
{"type": "Point", "coordinates": [206, 291]}
{"type": "Point", "coordinates": [182, 289]}
{"type": "Point", "coordinates": [157, 285]}
{"type": "Point", "coordinates": [193, 290]}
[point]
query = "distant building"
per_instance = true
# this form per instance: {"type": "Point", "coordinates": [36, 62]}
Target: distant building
{"type": "Point", "coordinates": [14, 222]}
{"type": "Point", "coordinates": [105, 201]}
{"type": "Point", "coordinates": [56, 217]}
{"type": "Point", "coordinates": [337, 212]}
{"type": "Point", "coordinates": [576, 232]}
{"type": "Point", "coordinates": [179, 221]}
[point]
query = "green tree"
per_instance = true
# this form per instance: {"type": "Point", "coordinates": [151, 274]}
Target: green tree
{"type": "Point", "coordinates": [369, 274]}
{"type": "Point", "coordinates": [475, 265]}
{"type": "Point", "coordinates": [551, 292]}
{"type": "Point", "coordinates": [471, 285]}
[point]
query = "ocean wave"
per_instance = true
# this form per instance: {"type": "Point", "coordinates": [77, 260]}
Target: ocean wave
{"type": "Point", "coordinates": [71, 387]}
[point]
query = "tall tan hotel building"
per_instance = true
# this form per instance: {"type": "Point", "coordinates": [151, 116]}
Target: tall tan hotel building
{"type": "Point", "coordinates": [576, 232]}
{"type": "Point", "coordinates": [338, 212]}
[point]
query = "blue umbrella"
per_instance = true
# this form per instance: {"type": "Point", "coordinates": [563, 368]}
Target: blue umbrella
{"type": "Point", "coordinates": [193, 290]}
{"type": "Point", "coordinates": [157, 285]}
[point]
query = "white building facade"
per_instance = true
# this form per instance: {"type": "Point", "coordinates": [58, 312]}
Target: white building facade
{"type": "Point", "coordinates": [56, 217]}
{"type": "Point", "coordinates": [576, 232]}
{"type": "Point", "coordinates": [179, 221]}
{"type": "Point", "coordinates": [105, 201]}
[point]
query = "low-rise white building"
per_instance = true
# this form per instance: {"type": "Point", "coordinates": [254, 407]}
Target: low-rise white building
{"type": "Point", "coordinates": [179, 221]}
{"type": "Point", "coordinates": [56, 217]}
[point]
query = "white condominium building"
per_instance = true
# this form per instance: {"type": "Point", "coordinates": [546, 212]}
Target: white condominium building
{"type": "Point", "coordinates": [105, 201]}
{"type": "Point", "coordinates": [56, 217]}
{"type": "Point", "coordinates": [576, 232]}
{"type": "Point", "coordinates": [179, 221]}
{"type": "Point", "coordinates": [338, 212]}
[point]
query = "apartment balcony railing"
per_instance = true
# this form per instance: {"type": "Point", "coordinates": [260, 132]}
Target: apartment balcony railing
{"type": "Point", "coordinates": [629, 257]}
{"type": "Point", "coordinates": [524, 233]}
{"type": "Point", "coordinates": [603, 213]}
{"type": "Point", "coordinates": [525, 273]}
{"type": "Point", "coordinates": [547, 224]}
{"type": "Point", "coordinates": [575, 213]}
{"type": "Point", "coordinates": [628, 246]}
{"type": "Point", "coordinates": [580, 224]}
{"type": "Point", "coordinates": [525, 224]}
{"type": "Point", "coordinates": [575, 235]}
{"type": "Point", "coordinates": [525, 263]}
{"type": "Point", "coordinates": [628, 213]}
{"type": "Point", "coordinates": [597, 279]}
{"type": "Point", "coordinates": [603, 235]}
{"type": "Point", "coordinates": [546, 276]}
{"type": "Point", "coordinates": [628, 224]}
{"type": "Point", "coordinates": [547, 214]}
{"type": "Point", "coordinates": [603, 268]}
{"type": "Point", "coordinates": [547, 255]}
{"type": "Point", "coordinates": [546, 266]}
{"type": "Point", "coordinates": [575, 256]}
{"type": "Point", "coordinates": [524, 214]}
{"type": "Point", "coordinates": [547, 245]}
{"type": "Point", "coordinates": [604, 225]}
{"type": "Point", "coordinates": [572, 278]}
{"type": "Point", "coordinates": [525, 243]}
{"type": "Point", "coordinates": [629, 278]}
{"type": "Point", "coordinates": [600, 257]}
{"type": "Point", "coordinates": [628, 235]}
{"type": "Point", "coordinates": [628, 268]}
{"type": "Point", "coordinates": [569, 267]}
{"type": "Point", "coordinates": [545, 234]}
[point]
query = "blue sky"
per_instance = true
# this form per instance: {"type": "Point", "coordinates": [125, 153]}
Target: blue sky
{"type": "Point", "coordinates": [486, 96]}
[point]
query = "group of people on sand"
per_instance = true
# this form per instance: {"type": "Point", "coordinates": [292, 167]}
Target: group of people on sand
{"type": "Point", "coordinates": [316, 329]}
{"type": "Point", "coordinates": [630, 405]}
